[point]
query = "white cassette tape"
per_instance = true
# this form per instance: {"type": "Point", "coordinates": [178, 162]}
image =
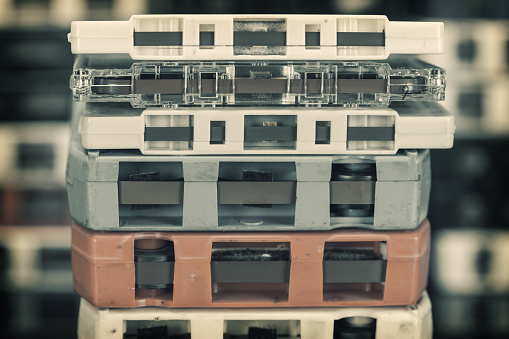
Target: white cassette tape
{"type": "Point", "coordinates": [475, 45]}
{"type": "Point", "coordinates": [402, 322]}
{"type": "Point", "coordinates": [479, 102]}
{"type": "Point", "coordinates": [39, 258]}
{"type": "Point", "coordinates": [33, 154]}
{"type": "Point", "coordinates": [260, 37]}
{"type": "Point", "coordinates": [244, 130]}
{"type": "Point", "coordinates": [472, 262]}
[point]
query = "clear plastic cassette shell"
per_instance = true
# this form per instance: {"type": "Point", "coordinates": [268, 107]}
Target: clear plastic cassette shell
{"type": "Point", "coordinates": [404, 322]}
{"type": "Point", "coordinates": [255, 83]}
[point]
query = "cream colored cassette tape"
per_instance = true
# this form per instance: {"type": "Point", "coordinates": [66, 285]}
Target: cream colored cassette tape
{"type": "Point", "coordinates": [404, 322]}
{"type": "Point", "coordinates": [257, 37]}
{"type": "Point", "coordinates": [267, 131]}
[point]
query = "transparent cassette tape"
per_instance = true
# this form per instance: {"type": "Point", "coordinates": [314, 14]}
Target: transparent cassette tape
{"type": "Point", "coordinates": [257, 37]}
{"type": "Point", "coordinates": [405, 322]}
{"type": "Point", "coordinates": [253, 83]}
{"type": "Point", "coordinates": [265, 130]}
{"type": "Point", "coordinates": [348, 267]}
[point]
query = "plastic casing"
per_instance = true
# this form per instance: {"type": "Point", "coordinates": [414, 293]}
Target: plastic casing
{"type": "Point", "coordinates": [406, 125]}
{"type": "Point", "coordinates": [223, 40]}
{"type": "Point", "coordinates": [458, 254]}
{"type": "Point", "coordinates": [35, 262]}
{"type": "Point", "coordinates": [400, 197]}
{"type": "Point", "coordinates": [405, 322]}
{"type": "Point", "coordinates": [104, 268]}
{"type": "Point", "coordinates": [350, 84]}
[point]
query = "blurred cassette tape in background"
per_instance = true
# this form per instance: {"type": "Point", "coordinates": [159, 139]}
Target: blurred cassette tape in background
{"type": "Point", "coordinates": [36, 280]}
{"type": "Point", "coordinates": [62, 12]}
{"type": "Point", "coordinates": [472, 262]}
{"type": "Point", "coordinates": [35, 103]}
{"type": "Point", "coordinates": [477, 64]}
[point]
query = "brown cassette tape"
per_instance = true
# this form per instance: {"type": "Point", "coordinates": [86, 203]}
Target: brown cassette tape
{"type": "Point", "coordinates": [347, 267]}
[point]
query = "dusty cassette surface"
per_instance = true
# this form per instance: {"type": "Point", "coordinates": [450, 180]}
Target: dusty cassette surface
{"type": "Point", "coordinates": [38, 259]}
{"type": "Point", "coordinates": [403, 322]}
{"type": "Point", "coordinates": [472, 262]}
{"type": "Point", "coordinates": [126, 191]}
{"type": "Point", "coordinates": [348, 267]}
{"type": "Point", "coordinates": [259, 37]}
{"type": "Point", "coordinates": [275, 130]}
{"type": "Point", "coordinates": [146, 84]}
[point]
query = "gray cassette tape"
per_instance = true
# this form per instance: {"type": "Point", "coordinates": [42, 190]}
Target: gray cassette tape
{"type": "Point", "coordinates": [126, 191]}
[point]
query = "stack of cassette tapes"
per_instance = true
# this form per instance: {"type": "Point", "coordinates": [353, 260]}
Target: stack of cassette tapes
{"type": "Point", "coordinates": [253, 176]}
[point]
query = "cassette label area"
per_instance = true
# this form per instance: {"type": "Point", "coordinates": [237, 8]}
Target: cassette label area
{"type": "Point", "coordinates": [257, 269]}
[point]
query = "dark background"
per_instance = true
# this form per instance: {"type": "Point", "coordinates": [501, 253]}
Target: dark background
{"type": "Point", "coordinates": [469, 208]}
